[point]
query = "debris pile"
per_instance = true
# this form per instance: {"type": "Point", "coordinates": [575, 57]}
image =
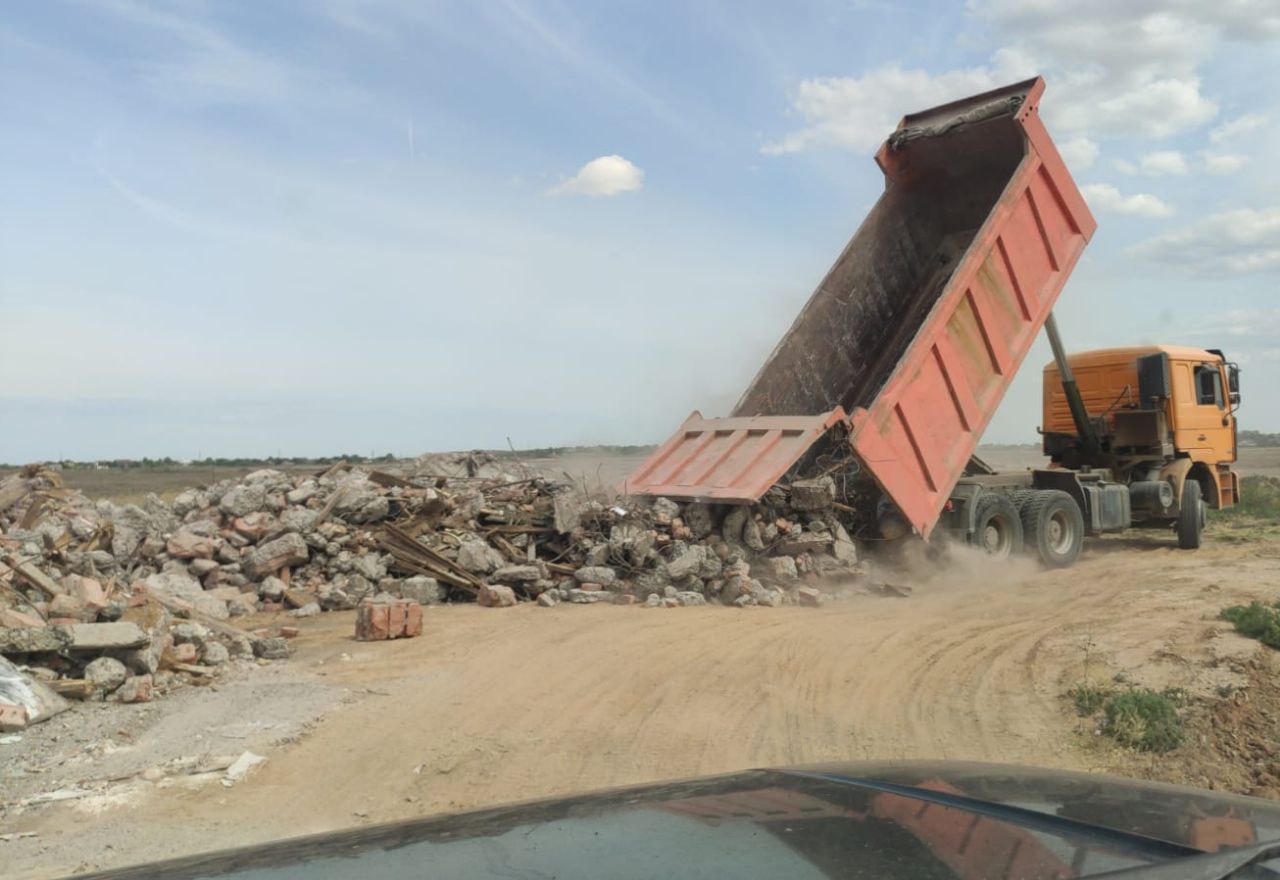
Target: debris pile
{"type": "Point", "coordinates": [99, 597]}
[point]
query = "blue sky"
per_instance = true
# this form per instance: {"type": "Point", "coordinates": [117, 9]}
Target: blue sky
{"type": "Point", "coordinates": [298, 228]}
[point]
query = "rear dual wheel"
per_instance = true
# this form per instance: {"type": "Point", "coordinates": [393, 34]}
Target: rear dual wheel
{"type": "Point", "coordinates": [997, 528]}
{"type": "Point", "coordinates": [1052, 524]}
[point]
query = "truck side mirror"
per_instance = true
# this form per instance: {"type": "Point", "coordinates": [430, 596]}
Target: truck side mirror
{"type": "Point", "coordinates": [1233, 382]}
{"type": "Point", "coordinates": [1235, 398]}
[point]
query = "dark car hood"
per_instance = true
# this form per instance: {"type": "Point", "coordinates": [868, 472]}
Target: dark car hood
{"type": "Point", "coordinates": [917, 820]}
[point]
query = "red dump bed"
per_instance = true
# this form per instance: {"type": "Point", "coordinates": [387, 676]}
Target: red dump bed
{"type": "Point", "coordinates": [920, 325]}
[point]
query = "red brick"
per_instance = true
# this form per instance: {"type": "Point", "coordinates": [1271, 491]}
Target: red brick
{"type": "Point", "coordinates": [289, 632]}
{"type": "Point", "coordinates": [9, 617]}
{"type": "Point", "coordinates": [66, 605]}
{"type": "Point", "coordinates": [591, 588]}
{"type": "Point", "coordinates": [413, 620]}
{"type": "Point", "coordinates": [12, 717]}
{"type": "Point", "coordinates": [186, 653]}
{"type": "Point", "coordinates": [372, 622]}
{"type": "Point", "coordinates": [395, 620]}
{"type": "Point", "coordinates": [137, 689]}
{"type": "Point", "coordinates": [254, 526]}
{"type": "Point", "coordinates": [624, 599]}
{"type": "Point", "coordinates": [87, 590]}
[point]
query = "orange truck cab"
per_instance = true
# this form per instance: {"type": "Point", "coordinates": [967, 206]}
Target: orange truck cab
{"type": "Point", "coordinates": [1161, 412]}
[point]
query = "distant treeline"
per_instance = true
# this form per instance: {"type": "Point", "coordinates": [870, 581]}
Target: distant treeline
{"type": "Point", "coordinates": [556, 451]}
{"type": "Point", "coordinates": [272, 461]}
{"type": "Point", "coordinates": [1257, 438]}
{"type": "Point", "coordinates": [283, 461]}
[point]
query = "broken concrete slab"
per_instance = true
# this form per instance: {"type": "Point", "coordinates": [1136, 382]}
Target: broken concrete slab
{"type": "Point", "coordinates": [284, 552]}
{"type": "Point", "coordinates": [20, 689]}
{"type": "Point", "coordinates": [33, 639]}
{"type": "Point", "coordinates": [106, 636]}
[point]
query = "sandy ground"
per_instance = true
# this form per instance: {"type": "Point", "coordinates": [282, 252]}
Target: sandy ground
{"type": "Point", "coordinates": [494, 705]}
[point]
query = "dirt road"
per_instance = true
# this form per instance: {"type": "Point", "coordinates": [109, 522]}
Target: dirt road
{"type": "Point", "coordinates": [496, 705]}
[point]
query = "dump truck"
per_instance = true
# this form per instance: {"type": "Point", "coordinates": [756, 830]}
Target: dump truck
{"type": "Point", "coordinates": [893, 369]}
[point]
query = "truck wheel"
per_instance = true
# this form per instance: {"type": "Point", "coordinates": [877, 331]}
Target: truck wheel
{"type": "Point", "coordinates": [1053, 527]}
{"type": "Point", "coordinates": [1190, 516]}
{"type": "Point", "coordinates": [997, 530]}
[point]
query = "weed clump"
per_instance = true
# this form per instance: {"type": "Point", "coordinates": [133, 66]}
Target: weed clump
{"type": "Point", "coordinates": [1089, 698]}
{"type": "Point", "coordinates": [1144, 719]}
{"type": "Point", "coordinates": [1259, 498]}
{"type": "Point", "coordinates": [1257, 621]}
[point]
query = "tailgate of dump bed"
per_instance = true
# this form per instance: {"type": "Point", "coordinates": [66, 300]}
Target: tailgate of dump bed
{"type": "Point", "coordinates": [732, 460]}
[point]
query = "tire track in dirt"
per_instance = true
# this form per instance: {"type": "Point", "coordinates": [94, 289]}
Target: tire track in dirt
{"type": "Point", "coordinates": [499, 705]}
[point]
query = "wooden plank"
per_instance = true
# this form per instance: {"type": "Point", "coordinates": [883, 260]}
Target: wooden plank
{"type": "Point", "coordinates": [386, 480]}
{"type": "Point", "coordinates": [32, 516]}
{"type": "Point", "coordinates": [76, 688]}
{"type": "Point", "coordinates": [34, 576]}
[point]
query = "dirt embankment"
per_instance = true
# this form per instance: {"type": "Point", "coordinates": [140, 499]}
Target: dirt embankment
{"type": "Point", "coordinates": [494, 705]}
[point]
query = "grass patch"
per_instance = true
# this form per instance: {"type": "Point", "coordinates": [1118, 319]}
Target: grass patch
{"type": "Point", "coordinates": [1257, 621]}
{"type": "Point", "coordinates": [1089, 698]}
{"type": "Point", "coordinates": [1259, 499]}
{"type": "Point", "coordinates": [1144, 719]}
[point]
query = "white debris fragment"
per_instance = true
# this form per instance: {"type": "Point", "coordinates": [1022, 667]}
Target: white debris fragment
{"type": "Point", "coordinates": [240, 767]}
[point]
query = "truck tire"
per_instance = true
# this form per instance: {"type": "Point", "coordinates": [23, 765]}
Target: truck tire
{"type": "Point", "coordinates": [997, 529]}
{"type": "Point", "coordinates": [1190, 516]}
{"type": "Point", "coordinates": [1052, 527]}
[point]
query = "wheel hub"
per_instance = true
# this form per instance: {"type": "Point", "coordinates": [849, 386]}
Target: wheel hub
{"type": "Point", "coordinates": [991, 538]}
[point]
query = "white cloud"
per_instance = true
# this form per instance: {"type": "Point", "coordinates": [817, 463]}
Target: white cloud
{"type": "Point", "coordinates": [1114, 68]}
{"type": "Point", "coordinates": [1236, 242]}
{"type": "Point", "coordinates": [860, 111]}
{"type": "Point", "coordinates": [605, 176]}
{"type": "Point", "coordinates": [1233, 128]}
{"type": "Point", "coordinates": [1079, 153]}
{"type": "Point", "coordinates": [1106, 197]}
{"type": "Point", "coordinates": [1157, 164]}
{"type": "Point", "coordinates": [1222, 163]}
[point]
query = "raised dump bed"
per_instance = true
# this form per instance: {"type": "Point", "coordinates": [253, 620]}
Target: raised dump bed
{"type": "Point", "coordinates": [920, 325]}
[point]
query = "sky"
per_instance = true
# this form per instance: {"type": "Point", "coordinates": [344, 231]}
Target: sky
{"type": "Point", "coordinates": [288, 228]}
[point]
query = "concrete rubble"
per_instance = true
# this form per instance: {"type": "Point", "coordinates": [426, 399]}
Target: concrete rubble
{"type": "Point", "coordinates": [155, 588]}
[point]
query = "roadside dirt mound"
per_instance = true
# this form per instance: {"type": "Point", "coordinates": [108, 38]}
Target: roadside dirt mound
{"type": "Point", "coordinates": [1232, 742]}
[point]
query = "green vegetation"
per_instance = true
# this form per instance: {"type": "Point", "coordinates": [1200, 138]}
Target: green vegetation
{"type": "Point", "coordinates": [1089, 698]}
{"type": "Point", "coordinates": [1260, 497]}
{"type": "Point", "coordinates": [1144, 719]}
{"type": "Point", "coordinates": [1256, 517]}
{"type": "Point", "coordinates": [1140, 718]}
{"type": "Point", "coordinates": [1257, 621]}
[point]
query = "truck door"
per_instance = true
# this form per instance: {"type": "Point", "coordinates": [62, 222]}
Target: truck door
{"type": "Point", "coordinates": [1201, 407]}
